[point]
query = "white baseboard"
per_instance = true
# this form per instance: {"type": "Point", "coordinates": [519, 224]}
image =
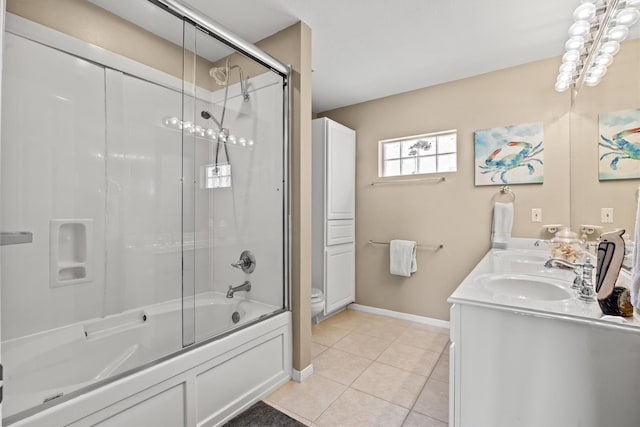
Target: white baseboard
{"type": "Point", "coordinates": [299, 376]}
{"type": "Point", "coordinates": [399, 315]}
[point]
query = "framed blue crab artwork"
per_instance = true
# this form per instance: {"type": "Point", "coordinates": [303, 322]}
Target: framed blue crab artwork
{"type": "Point", "coordinates": [510, 155]}
{"type": "Point", "coordinates": [619, 145]}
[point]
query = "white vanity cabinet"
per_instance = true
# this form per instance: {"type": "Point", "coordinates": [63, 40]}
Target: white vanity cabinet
{"type": "Point", "coordinates": [522, 357]}
{"type": "Point", "coordinates": [514, 368]}
{"type": "Point", "coordinates": [333, 207]}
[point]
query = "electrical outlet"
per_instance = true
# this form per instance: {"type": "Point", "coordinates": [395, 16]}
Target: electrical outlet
{"type": "Point", "coordinates": [606, 215]}
{"type": "Point", "coordinates": [536, 215]}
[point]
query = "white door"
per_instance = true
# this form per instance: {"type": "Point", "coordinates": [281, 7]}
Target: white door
{"type": "Point", "coordinates": [341, 171]}
{"type": "Point", "coordinates": [340, 283]}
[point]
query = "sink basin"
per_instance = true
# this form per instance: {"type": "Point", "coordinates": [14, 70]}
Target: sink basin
{"type": "Point", "coordinates": [524, 287]}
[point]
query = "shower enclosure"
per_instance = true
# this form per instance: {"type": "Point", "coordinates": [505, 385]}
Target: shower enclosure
{"type": "Point", "coordinates": [143, 200]}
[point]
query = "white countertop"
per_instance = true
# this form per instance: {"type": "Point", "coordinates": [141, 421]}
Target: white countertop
{"type": "Point", "coordinates": [523, 258]}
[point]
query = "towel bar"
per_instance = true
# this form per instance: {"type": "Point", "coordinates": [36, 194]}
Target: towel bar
{"type": "Point", "coordinates": [440, 246]}
{"type": "Point", "coordinates": [401, 181]}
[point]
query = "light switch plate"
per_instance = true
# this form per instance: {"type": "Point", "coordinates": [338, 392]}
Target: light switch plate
{"type": "Point", "coordinates": [606, 215]}
{"type": "Point", "coordinates": [536, 215]}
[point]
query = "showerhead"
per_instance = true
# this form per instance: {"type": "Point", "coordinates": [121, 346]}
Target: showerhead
{"type": "Point", "coordinates": [207, 115]}
{"type": "Point", "coordinates": [220, 75]}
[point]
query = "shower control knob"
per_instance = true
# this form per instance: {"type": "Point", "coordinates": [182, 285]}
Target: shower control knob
{"type": "Point", "coordinates": [247, 262]}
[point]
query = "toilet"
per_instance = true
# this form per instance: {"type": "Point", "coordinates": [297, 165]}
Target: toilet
{"type": "Point", "coordinates": [317, 303]}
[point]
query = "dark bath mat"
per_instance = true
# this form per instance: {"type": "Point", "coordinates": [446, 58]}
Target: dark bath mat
{"type": "Point", "coordinates": [263, 415]}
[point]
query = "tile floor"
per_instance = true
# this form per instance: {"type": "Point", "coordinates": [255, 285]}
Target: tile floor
{"type": "Point", "coordinates": [372, 371]}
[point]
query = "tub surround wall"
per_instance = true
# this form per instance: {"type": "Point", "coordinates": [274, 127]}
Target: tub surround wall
{"type": "Point", "coordinates": [40, 182]}
{"type": "Point", "coordinates": [247, 216]}
{"type": "Point", "coordinates": [454, 213]}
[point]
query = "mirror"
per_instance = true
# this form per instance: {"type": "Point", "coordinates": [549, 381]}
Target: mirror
{"type": "Point", "coordinates": [596, 162]}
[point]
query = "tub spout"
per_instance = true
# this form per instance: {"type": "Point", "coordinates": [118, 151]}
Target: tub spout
{"type": "Point", "coordinates": [246, 286]}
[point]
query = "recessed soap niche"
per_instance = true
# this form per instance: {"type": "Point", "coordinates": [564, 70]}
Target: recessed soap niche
{"type": "Point", "coordinates": [71, 249]}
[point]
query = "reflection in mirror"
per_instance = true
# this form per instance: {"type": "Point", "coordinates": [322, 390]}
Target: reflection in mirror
{"type": "Point", "coordinates": [605, 151]}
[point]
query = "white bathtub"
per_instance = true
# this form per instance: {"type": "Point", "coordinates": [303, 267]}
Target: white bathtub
{"type": "Point", "coordinates": [50, 365]}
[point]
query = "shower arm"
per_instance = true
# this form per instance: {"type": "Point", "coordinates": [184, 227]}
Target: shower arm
{"type": "Point", "coordinates": [243, 82]}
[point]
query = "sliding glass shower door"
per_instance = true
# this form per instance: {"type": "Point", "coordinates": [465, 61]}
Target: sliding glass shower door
{"type": "Point", "coordinates": [234, 203]}
{"type": "Point", "coordinates": [143, 183]}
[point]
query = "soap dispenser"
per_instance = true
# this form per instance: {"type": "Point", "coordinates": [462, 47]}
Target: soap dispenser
{"type": "Point", "coordinates": [613, 300]}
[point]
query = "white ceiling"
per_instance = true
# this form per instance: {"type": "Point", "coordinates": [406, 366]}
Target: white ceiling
{"type": "Point", "coordinates": [367, 49]}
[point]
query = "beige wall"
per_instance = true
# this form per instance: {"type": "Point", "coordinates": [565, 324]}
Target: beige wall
{"type": "Point", "coordinates": [85, 21]}
{"type": "Point", "coordinates": [293, 46]}
{"type": "Point", "coordinates": [619, 90]}
{"type": "Point", "coordinates": [454, 213]}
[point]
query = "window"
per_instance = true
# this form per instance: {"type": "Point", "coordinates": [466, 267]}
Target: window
{"type": "Point", "coordinates": [419, 154]}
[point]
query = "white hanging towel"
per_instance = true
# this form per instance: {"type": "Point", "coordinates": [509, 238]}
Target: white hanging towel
{"type": "Point", "coordinates": [402, 258]}
{"type": "Point", "coordinates": [635, 279]}
{"type": "Point", "coordinates": [502, 224]}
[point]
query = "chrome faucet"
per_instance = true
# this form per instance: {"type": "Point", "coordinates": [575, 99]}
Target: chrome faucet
{"type": "Point", "coordinates": [246, 286]}
{"type": "Point", "coordinates": [583, 283]}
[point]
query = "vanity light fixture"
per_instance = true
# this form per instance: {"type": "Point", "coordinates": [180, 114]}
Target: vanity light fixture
{"type": "Point", "coordinates": [208, 133]}
{"type": "Point", "coordinates": [594, 38]}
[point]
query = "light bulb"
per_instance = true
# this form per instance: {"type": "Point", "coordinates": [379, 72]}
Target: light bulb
{"type": "Point", "coordinates": [579, 28]}
{"type": "Point", "coordinates": [173, 121]}
{"type": "Point", "coordinates": [166, 121]}
{"type": "Point", "coordinates": [632, 3]}
{"type": "Point", "coordinates": [250, 143]}
{"type": "Point", "coordinates": [565, 78]}
{"type": "Point", "coordinates": [561, 86]}
{"type": "Point", "coordinates": [232, 139]}
{"type": "Point", "coordinates": [571, 57]}
{"type": "Point", "coordinates": [618, 33]}
{"type": "Point", "coordinates": [597, 70]}
{"type": "Point", "coordinates": [628, 16]}
{"type": "Point", "coordinates": [574, 43]}
{"type": "Point", "coordinates": [604, 59]}
{"type": "Point", "coordinates": [567, 68]}
{"type": "Point", "coordinates": [210, 132]}
{"type": "Point", "coordinates": [597, 3]}
{"type": "Point", "coordinates": [586, 12]}
{"type": "Point", "coordinates": [591, 80]}
{"type": "Point", "coordinates": [198, 129]}
{"type": "Point", "coordinates": [242, 141]}
{"type": "Point", "coordinates": [610, 47]}
{"type": "Point", "coordinates": [222, 135]}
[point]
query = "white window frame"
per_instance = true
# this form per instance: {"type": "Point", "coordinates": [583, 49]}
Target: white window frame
{"type": "Point", "coordinates": [381, 158]}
